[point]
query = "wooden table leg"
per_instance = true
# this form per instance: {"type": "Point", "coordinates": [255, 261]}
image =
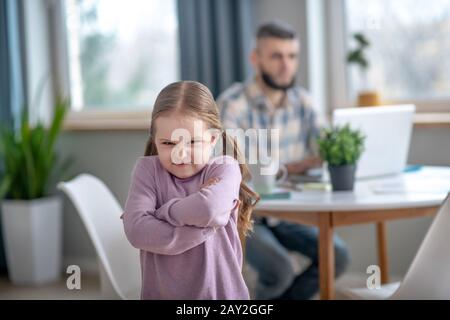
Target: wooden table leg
{"type": "Point", "coordinates": [326, 256]}
{"type": "Point", "coordinates": [383, 252]}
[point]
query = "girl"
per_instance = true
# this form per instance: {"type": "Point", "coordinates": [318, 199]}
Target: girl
{"type": "Point", "coordinates": [186, 209]}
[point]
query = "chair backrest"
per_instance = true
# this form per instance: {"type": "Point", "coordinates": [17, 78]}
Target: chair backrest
{"type": "Point", "coordinates": [100, 213]}
{"type": "Point", "coordinates": [428, 277]}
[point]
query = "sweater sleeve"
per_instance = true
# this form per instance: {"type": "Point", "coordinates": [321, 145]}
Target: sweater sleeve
{"type": "Point", "coordinates": [210, 206]}
{"type": "Point", "coordinates": [145, 231]}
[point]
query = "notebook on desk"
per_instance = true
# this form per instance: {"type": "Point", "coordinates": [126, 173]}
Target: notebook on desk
{"type": "Point", "coordinates": [312, 175]}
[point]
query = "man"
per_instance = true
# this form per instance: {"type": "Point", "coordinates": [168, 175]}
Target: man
{"type": "Point", "coordinates": [268, 101]}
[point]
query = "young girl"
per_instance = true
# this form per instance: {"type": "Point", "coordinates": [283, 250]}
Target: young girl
{"type": "Point", "coordinates": [186, 210]}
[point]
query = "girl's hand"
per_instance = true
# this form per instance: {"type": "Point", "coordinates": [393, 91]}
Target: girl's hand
{"type": "Point", "coordinates": [236, 206]}
{"type": "Point", "coordinates": [210, 182]}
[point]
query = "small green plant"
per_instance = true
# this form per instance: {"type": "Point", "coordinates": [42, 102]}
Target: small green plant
{"type": "Point", "coordinates": [341, 145]}
{"type": "Point", "coordinates": [31, 166]}
{"type": "Point", "coordinates": [358, 56]}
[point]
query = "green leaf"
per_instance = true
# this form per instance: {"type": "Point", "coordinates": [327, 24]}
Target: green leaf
{"type": "Point", "coordinates": [361, 39]}
{"type": "Point", "coordinates": [4, 186]}
{"type": "Point", "coordinates": [31, 165]}
{"type": "Point", "coordinates": [340, 145]}
{"type": "Point", "coordinates": [58, 118]}
{"type": "Point", "coordinates": [357, 56]}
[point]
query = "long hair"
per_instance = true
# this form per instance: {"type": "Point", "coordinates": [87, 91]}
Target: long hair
{"type": "Point", "coordinates": [194, 99]}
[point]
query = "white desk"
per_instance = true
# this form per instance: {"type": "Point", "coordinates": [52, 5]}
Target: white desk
{"type": "Point", "coordinates": [408, 195]}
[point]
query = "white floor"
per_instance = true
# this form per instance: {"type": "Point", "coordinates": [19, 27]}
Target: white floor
{"type": "Point", "coordinates": [90, 289]}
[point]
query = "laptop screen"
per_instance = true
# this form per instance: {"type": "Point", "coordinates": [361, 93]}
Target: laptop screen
{"type": "Point", "coordinates": [388, 133]}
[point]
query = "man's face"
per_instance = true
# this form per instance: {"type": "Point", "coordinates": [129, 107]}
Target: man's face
{"type": "Point", "coordinates": [277, 59]}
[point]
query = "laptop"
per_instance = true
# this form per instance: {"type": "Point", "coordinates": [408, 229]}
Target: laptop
{"type": "Point", "coordinates": [388, 134]}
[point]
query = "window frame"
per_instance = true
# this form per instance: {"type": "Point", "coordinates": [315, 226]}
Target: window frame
{"type": "Point", "coordinates": [339, 73]}
{"type": "Point", "coordinates": [430, 113]}
{"type": "Point", "coordinates": [85, 120]}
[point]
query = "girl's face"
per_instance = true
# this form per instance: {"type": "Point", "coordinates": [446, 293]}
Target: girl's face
{"type": "Point", "coordinates": [184, 144]}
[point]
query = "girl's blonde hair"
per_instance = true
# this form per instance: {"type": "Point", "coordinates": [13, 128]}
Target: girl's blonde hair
{"type": "Point", "coordinates": [194, 99]}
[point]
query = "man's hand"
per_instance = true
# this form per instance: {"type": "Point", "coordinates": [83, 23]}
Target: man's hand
{"type": "Point", "coordinates": [300, 167]}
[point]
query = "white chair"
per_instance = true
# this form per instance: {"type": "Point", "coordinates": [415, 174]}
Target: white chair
{"type": "Point", "coordinates": [428, 277]}
{"type": "Point", "coordinates": [119, 265]}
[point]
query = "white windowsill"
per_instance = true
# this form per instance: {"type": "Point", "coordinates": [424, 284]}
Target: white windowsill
{"type": "Point", "coordinates": [107, 121]}
{"type": "Point", "coordinates": [140, 121]}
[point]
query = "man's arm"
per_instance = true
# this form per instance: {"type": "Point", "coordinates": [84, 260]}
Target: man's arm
{"type": "Point", "coordinates": [313, 123]}
{"type": "Point", "coordinates": [301, 166]}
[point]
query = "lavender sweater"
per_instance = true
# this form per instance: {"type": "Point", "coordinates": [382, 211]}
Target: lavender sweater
{"type": "Point", "coordinates": [187, 236]}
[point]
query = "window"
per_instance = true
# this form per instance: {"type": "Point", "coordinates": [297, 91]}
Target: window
{"type": "Point", "coordinates": [120, 53]}
{"type": "Point", "coordinates": [409, 54]}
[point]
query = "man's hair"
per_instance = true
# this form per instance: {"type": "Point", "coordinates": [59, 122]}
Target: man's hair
{"type": "Point", "coordinates": [276, 29]}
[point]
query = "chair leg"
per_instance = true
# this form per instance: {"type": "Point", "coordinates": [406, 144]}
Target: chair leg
{"type": "Point", "coordinates": [383, 252]}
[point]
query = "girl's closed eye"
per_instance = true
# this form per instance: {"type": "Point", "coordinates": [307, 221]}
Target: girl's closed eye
{"type": "Point", "coordinates": [171, 143]}
{"type": "Point", "coordinates": [196, 143]}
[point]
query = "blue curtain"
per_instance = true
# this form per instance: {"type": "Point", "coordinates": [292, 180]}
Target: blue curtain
{"type": "Point", "coordinates": [11, 78]}
{"type": "Point", "coordinates": [215, 39]}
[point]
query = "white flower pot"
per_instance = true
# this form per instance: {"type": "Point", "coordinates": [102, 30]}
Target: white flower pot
{"type": "Point", "coordinates": [32, 232]}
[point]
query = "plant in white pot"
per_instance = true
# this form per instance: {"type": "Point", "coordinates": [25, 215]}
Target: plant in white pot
{"type": "Point", "coordinates": [31, 212]}
{"type": "Point", "coordinates": [341, 148]}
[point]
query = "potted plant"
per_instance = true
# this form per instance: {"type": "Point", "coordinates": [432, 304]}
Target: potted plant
{"type": "Point", "coordinates": [31, 213]}
{"type": "Point", "coordinates": [341, 148]}
{"type": "Point", "coordinates": [357, 56]}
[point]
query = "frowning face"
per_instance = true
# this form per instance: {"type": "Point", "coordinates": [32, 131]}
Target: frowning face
{"type": "Point", "coordinates": [184, 144]}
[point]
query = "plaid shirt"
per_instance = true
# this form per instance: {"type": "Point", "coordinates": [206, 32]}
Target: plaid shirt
{"type": "Point", "coordinates": [245, 106]}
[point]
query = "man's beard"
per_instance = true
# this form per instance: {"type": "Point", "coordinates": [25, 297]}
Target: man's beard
{"type": "Point", "coordinates": [268, 81]}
